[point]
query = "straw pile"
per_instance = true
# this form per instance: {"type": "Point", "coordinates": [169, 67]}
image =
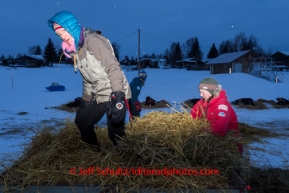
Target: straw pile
{"type": "Point", "coordinates": [261, 104]}
{"type": "Point", "coordinates": [273, 103]}
{"type": "Point", "coordinates": [268, 179]}
{"type": "Point", "coordinates": [188, 104]}
{"type": "Point", "coordinates": [254, 134]}
{"type": "Point", "coordinates": [159, 104]}
{"type": "Point", "coordinates": [157, 141]}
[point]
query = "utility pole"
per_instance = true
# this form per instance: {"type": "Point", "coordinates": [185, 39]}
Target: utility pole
{"type": "Point", "coordinates": [138, 52]}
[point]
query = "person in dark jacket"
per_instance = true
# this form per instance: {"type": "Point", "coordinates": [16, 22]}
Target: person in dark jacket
{"type": "Point", "coordinates": [215, 107]}
{"type": "Point", "coordinates": [136, 85]}
{"type": "Point", "coordinates": [105, 87]}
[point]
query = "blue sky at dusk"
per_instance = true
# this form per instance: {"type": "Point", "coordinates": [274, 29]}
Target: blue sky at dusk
{"type": "Point", "coordinates": [161, 22]}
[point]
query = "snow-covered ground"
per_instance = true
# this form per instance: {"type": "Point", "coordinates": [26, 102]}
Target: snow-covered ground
{"type": "Point", "coordinates": [23, 90]}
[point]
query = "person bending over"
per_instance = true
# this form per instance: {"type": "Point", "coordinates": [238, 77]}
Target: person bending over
{"type": "Point", "coordinates": [105, 87]}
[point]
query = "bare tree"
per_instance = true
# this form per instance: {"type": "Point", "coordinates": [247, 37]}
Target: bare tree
{"type": "Point", "coordinates": [34, 50]}
{"type": "Point", "coordinates": [240, 43]}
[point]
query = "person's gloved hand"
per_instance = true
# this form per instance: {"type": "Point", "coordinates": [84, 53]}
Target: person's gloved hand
{"type": "Point", "coordinates": [117, 110]}
{"type": "Point", "coordinates": [138, 106]}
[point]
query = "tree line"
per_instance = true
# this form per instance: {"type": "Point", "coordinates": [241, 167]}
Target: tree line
{"type": "Point", "coordinates": [189, 49]}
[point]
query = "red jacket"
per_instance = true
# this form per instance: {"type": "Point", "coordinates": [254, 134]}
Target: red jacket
{"type": "Point", "coordinates": [219, 113]}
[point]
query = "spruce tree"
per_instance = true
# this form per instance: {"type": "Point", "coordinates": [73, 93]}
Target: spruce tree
{"type": "Point", "coordinates": [178, 52]}
{"type": "Point", "coordinates": [50, 54]}
{"type": "Point", "coordinates": [189, 48]}
{"type": "Point", "coordinates": [126, 58]}
{"type": "Point", "coordinates": [175, 52]}
{"type": "Point", "coordinates": [197, 53]}
{"type": "Point", "coordinates": [213, 53]}
{"type": "Point", "coordinates": [133, 61]}
{"type": "Point", "coordinates": [226, 47]}
{"type": "Point", "coordinates": [193, 48]}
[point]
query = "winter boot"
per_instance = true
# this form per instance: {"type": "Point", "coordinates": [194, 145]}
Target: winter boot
{"type": "Point", "coordinates": [90, 139]}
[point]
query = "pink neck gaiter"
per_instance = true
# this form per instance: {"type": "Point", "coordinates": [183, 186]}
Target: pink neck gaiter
{"type": "Point", "coordinates": [67, 49]}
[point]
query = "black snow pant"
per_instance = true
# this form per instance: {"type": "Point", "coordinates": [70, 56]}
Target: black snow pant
{"type": "Point", "coordinates": [134, 112]}
{"type": "Point", "coordinates": [89, 114]}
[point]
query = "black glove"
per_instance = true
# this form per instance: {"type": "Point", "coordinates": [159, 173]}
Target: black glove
{"type": "Point", "coordinates": [117, 109]}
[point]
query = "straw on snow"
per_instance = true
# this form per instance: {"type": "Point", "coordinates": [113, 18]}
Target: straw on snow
{"type": "Point", "coordinates": [158, 140]}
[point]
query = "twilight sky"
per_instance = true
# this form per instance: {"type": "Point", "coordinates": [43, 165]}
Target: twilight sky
{"type": "Point", "coordinates": [161, 22]}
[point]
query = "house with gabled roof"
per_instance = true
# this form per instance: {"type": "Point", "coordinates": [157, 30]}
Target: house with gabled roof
{"type": "Point", "coordinates": [30, 61]}
{"type": "Point", "coordinates": [125, 62]}
{"type": "Point", "coordinates": [162, 62]}
{"type": "Point", "coordinates": [281, 58]}
{"type": "Point", "coordinates": [191, 64]}
{"type": "Point", "coordinates": [6, 61]}
{"type": "Point", "coordinates": [148, 62]}
{"type": "Point", "coordinates": [232, 62]}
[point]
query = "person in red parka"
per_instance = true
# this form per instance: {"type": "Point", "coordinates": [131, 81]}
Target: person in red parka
{"type": "Point", "coordinates": [215, 107]}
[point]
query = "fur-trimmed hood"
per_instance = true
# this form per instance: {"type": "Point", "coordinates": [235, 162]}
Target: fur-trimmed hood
{"type": "Point", "coordinates": [218, 90]}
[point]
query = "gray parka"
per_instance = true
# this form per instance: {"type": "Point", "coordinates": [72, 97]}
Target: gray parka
{"type": "Point", "coordinates": [100, 70]}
